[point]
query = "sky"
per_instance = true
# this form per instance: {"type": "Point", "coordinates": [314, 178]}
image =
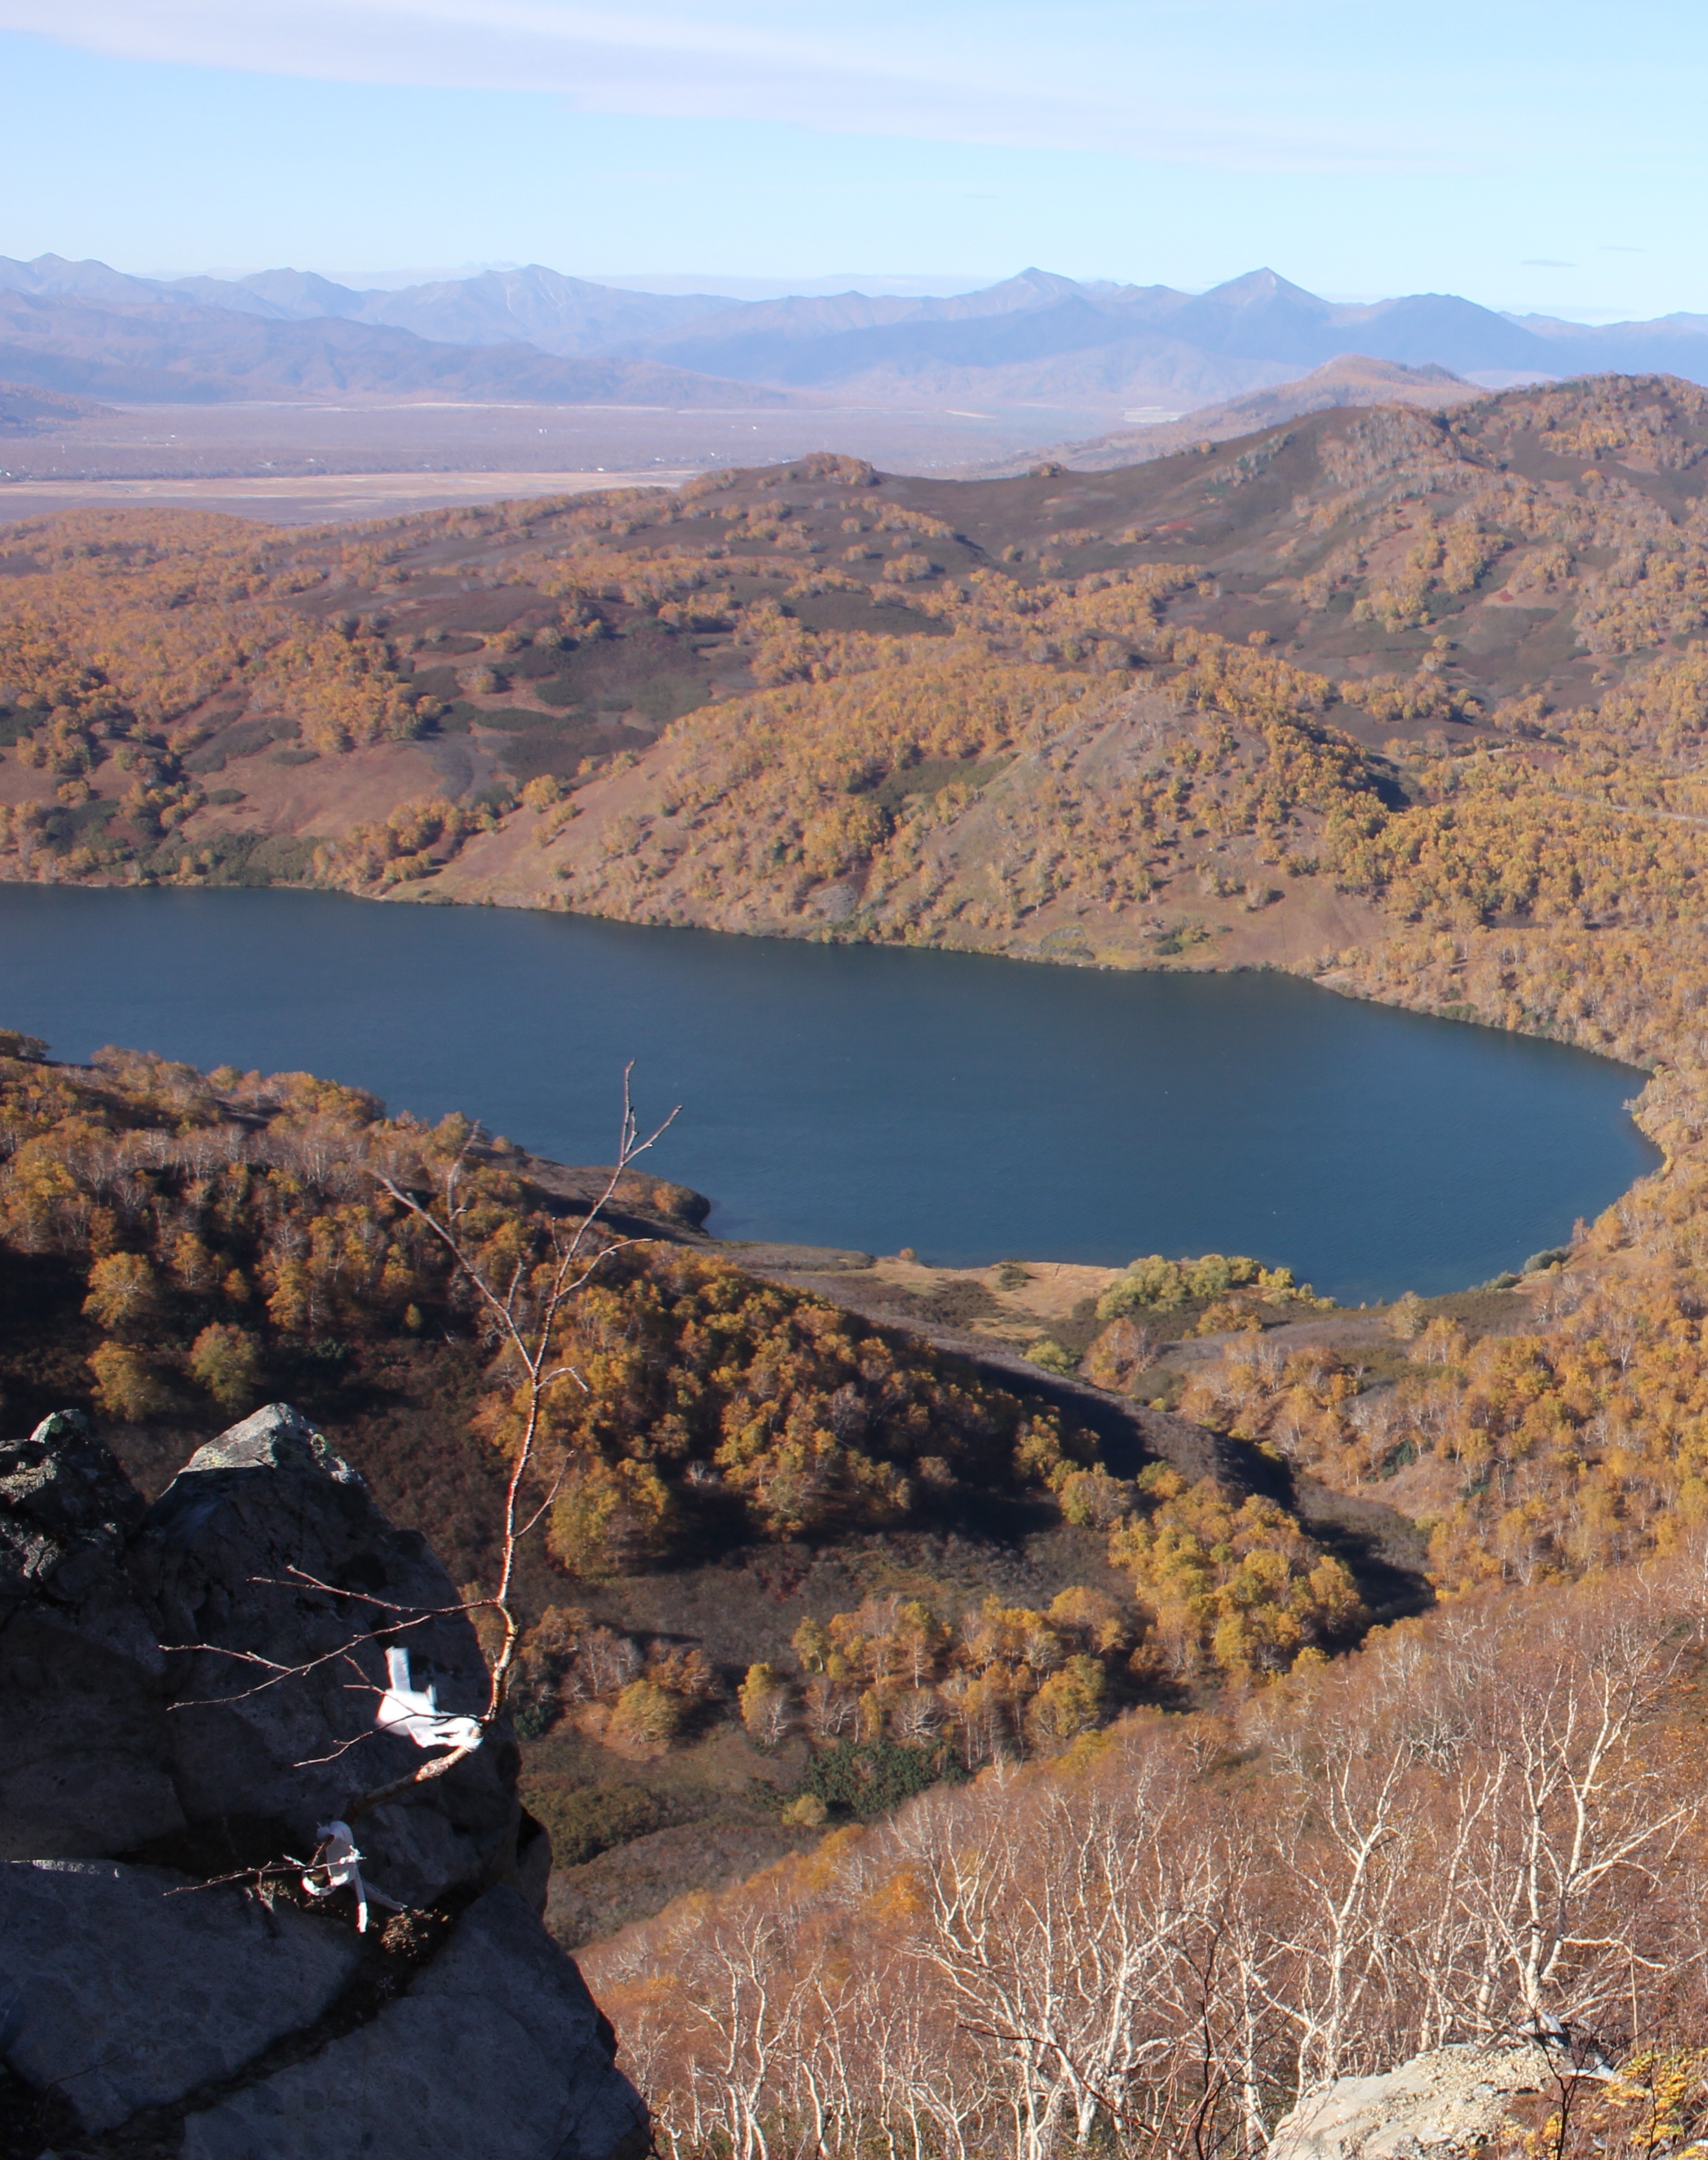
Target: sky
{"type": "Point", "coordinates": [1528, 155]}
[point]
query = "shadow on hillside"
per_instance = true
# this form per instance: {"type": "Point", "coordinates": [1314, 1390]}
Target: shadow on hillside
{"type": "Point", "coordinates": [1384, 1550]}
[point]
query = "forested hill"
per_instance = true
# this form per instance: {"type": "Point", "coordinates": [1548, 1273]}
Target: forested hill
{"type": "Point", "coordinates": [1238, 704]}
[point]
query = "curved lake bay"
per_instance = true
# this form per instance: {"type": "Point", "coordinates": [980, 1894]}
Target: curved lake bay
{"type": "Point", "coordinates": [973, 1108]}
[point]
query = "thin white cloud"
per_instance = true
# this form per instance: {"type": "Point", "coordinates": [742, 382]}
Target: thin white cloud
{"type": "Point", "coordinates": [1082, 78]}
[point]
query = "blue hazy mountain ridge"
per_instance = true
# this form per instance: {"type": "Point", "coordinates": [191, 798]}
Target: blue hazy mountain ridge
{"type": "Point", "coordinates": [812, 353]}
{"type": "Point", "coordinates": [536, 334]}
{"type": "Point", "coordinates": [496, 307]}
{"type": "Point", "coordinates": [177, 350]}
{"type": "Point", "coordinates": [1260, 320]}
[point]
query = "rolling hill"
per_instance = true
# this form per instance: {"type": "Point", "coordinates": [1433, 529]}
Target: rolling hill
{"type": "Point", "coordinates": [562, 704]}
{"type": "Point", "coordinates": [27, 411]}
{"type": "Point", "coordinates": [1352, 380]}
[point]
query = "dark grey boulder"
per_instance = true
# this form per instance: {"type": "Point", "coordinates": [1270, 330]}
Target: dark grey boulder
{"type": "Point", "coordinates": [210, 2019]}
{"type": "Point", "coordinates": [500, 1998]}
{"type": "Point", "coordinates": [85, 1751]}
{"type": "Point", "coordinates": [124, 1996]}
{"type": "Point", "coordinates": [60, 1488]}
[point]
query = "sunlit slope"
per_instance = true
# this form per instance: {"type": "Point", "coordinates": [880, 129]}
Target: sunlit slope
{"type": "Point", "coordinates": [1243, 704]}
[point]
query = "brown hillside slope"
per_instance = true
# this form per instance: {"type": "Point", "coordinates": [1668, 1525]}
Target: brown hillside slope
{"type": "Point", "coordinates": [24, 411]}
{"type": "Point", "coordinates": [1353, 379]}
{"type": "Point", "coordinates": [1164, 1939]}
{"type": "Point", "coordinates": [1111, 715]}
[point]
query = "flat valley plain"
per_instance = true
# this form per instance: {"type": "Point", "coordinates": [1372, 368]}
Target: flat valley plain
{"type": "Point", "coordinates": [296, 462]}
{"type": "Point", "coordinates": [328, 461]}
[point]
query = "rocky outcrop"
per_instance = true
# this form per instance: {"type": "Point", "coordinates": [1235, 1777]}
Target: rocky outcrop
{"type": "Point", "coordinates": [85, 1749]}
{"type": "Point", "coordinates": [1449, 2102]}
{"type": "Point", "coordinates": [267, 1553]}
{"type": "Point", "coordinates": [188, 1692]}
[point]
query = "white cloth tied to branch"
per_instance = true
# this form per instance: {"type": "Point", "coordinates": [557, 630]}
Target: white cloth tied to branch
{"type": "Point", "coordinates": [340, 1865]}
{"type": "Point", "coordinates": [414, 1713]}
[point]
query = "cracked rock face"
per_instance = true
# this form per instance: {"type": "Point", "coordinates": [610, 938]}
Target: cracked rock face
{"type": "Point", "coordinates": [1445, 2102]}
{"type": "Point", "coordinates": [205, 1979]}
{"type": "Point", "coordinates": [500, 1994]}
{"type": "Point", "coordinates": [85, 1752]}
{"type": "Point", "coordinates": [266, 1551]}
{"type": "Point", "coordinates": [136, 2000]}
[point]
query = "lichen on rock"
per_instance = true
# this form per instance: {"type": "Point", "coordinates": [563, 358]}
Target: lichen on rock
{"type": "Point", "coordinates": [1448, 2101]}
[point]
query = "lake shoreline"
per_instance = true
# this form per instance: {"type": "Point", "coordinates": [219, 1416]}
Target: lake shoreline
{"type": "Point", "coordinates": [888, 1052]}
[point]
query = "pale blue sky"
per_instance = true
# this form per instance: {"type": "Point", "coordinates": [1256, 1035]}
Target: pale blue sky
{"type": "Point", "coordinates": [1526, 155]}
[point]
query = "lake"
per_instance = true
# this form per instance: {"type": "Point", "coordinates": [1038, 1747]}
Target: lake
{"type": "Point", "coordinates": [973, 1108]}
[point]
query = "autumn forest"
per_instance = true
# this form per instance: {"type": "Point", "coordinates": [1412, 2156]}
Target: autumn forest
{"type": "Point", "coordinates": [1095, 1746]}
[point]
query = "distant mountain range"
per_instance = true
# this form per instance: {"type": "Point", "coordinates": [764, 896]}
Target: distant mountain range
{"type": "Point", "coordinates": [536, 336]}
{"type": "Point", "coordinates": [170, 349]}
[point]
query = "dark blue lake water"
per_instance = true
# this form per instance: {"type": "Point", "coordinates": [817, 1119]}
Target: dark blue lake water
{"type": "Point", "coordinates": [973, 1108]}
